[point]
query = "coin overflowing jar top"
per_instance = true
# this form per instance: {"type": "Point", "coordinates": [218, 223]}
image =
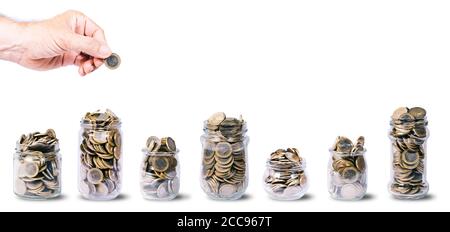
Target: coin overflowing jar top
{"type": "Point", "coordinates": [230, 128]}
{"type": "Point", "coordinates": [156, 145]}
{"type": "Point", "coordinates": [39, 142]}
{"type": "Point", "coordinates": [288, 159]}
{"type": "Point", "coordinates": [100, 119]}
{"type": "Point", "coordinates": [404, 115]}
{"type": "Point", "coordinates": [344, 146]}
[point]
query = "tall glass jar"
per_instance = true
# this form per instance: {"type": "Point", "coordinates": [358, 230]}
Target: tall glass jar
{"type": "Point", "coordinates": [347, 170]}
{"type": "Point", "coordinates": [224, 163]}
{"type": "Point", "coordinates": [37, 166]}
{"type": "Point", "coordinates": [160, 170]}
{"type": "Point", "coordinates": [285, 176]}
{"type": "Point", "coordinates": [100, 155]}
{"type": "Point", "coordinates": [409, 134]}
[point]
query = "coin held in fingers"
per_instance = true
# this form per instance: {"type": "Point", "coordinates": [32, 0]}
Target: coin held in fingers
{"type": "Point", "coordinates": [113, 61]}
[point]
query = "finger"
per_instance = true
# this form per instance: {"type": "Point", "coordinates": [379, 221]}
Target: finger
{"type": "Point", "coordinates": [88, 45]}
{"type": "Point", "coordinates": [98, 62]}
{"type": "Point", "coordinates": [88, 66]}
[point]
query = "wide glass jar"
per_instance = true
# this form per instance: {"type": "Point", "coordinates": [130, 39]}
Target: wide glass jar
{"type": "Point", "coordinates": [37, 166]}
{"type": "Point", "coordinates": [409, 134]}
{"type": "Point", "coordinates": [100, 156]}
{"type": "Point", "coordinates": [160, 169]}
{"type": "Point", "coordinates": [347, 170]}
{"type": "Point", "coordinates": [224, 164]}
{"type": "Point", "coordinates": [285, 176]}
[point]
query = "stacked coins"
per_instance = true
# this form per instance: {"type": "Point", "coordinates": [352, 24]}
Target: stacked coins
{"type": "Point", "coordinates": [224, 174]}
{"type": "Point", "coordinates": [347, 171]}
{"type": "Point", "coordinates": [408, 135]}
{"type": "Point", "coordinates": [38, 166]}
{"type": "Point", "coordinates": [285, 178]}
{"type": "Point", "coordinates": [160, 174]}
{"type": "Point", "coordinates": [100, 156]}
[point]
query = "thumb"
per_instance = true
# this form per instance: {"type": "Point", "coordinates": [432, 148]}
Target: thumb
{"type": "Point", "coordinates": [89, 46]}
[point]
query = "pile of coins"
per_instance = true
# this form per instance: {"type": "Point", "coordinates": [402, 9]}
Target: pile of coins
{"type": "Point", "coordinates": [347, 172]}
{"type": "Point", "coordinates": [409, 134]}
{"type": "Point", "coordinates": [160, 179]}
{"type": "Point", "coordinates": [100, 155]}
{"type": "Point", "coordinates": [37, 166]}
{"type": "Point", "coordinates": [285, 177]}
{"type": "Point", "coordinates": [224, 172]}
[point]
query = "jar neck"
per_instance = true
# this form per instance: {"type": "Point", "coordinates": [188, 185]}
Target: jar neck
{"type": "Point", "coordinates": [160, 154]}
{"type": "Point", "coordinates": [239, 130]}
{"type": "Point", "coordinates": [346, 154]}
{"type": "Point", "coordinates": [292, 168]}
{"type": "Point", "coordinates": [414, 123]}
{"type": "Point", "coordinates": [100, 125]}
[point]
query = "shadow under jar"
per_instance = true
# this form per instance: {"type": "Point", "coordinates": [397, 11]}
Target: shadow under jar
{"type": "Point", "coordinates": [224, 163]}
{"type": "Point", "coordinates": [409, 134]}
{"type": "Point", "coordinates": [37, 166]}
{"type": "Point", "coordinates": [100, 156]}
{"type": "Point", "coordinates": [347, 170]}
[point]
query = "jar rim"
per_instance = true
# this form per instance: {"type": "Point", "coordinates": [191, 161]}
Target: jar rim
{"type": "Point", "coordinates": [300, 167]}
{"type": "Point", "coordinates": [160, 153]}
{"type": "Point", "coordinates": [97, 124]}
{"type": "Point", "coordinates": [343, 154]}
{"type": "Point", "coordinates": [205, 124]}
{"type": "Point", "coordinates": [19, 148]}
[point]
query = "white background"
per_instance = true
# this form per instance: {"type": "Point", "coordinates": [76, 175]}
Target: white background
{"type": "Point", "coordinates": [300, 72]}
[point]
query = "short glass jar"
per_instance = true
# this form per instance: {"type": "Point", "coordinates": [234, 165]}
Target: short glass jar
{"type": "Point", "coordinates": [37, 166]}
{"type": "Point", "coordinates": [285, 177]}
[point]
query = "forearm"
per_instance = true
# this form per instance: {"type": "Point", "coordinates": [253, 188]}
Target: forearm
{"type": "Point", "coordinates": [11, 36]}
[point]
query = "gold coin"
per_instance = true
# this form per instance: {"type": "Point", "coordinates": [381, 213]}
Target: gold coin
{"type": "Point", "coordinates": [216, 119]}
{"type": "Point", "coordinates": [360, 163]}
{"type": "Point", "coordinates": [153, 143]}
{"type": "Point", "coordinates": [398, 112]}
{"type": "Point", "coordinates": [168, 144]}
{"type": "Point", "coordinates": [418, 113]}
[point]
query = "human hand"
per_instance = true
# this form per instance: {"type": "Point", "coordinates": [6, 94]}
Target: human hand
{"type": "Point", "coordinates": [67, 39]}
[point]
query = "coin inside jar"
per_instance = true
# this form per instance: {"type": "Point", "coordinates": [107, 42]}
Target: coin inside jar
{"type": "Point", "coordinates": [95, 176]}
{"type": "Point", "coordinates": [160, 164]}
{"type": "Point", "coordinates": [360, 163]}
{"type": "Point", "coordinates": [224, 149]}
{"type": "Point", "coordinates": [113, 61]}
{"type": "Point", "coordinates": [31, 169]}
{"type": "Point", "coordinates": [350, 175]}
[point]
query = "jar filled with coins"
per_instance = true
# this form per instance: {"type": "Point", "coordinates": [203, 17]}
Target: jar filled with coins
{"type": "Point", "coordinates": [37, 166]}
{"type": "Point", "coordinates": [160, 169]}
{"type": "Point", "coordinates": [285, 177]}
{"type": "Point", "coordinates": [409, 134]}
{"type": "Point", "coordinates": [224, 163]}
{"type": "Point", "coordinates": [347, 172]}
{"type": "Point", "coordinates": [100, 156]}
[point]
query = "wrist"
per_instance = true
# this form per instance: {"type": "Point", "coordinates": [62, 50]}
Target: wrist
{"type": "Point", "coordinates": [11, 40]}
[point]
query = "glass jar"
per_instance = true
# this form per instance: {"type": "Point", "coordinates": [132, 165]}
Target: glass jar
{"type": "Point", "coordinates": [347, 170]}
{"type": "Point", "coordinates": [409, 134]}
{"type": "Point", "coordinates": [160, 175]}
{"type": "Point", "coordinates": [285, 176]}
{"type": "Point", "coordinates": [100, 162]}
{"type": "Point", "coordinates": [224, 163]}
{"type": "Point", "coordinates": [37, 166]}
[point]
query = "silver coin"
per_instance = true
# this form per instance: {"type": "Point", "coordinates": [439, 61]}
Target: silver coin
{"type": "Point", "coordinates": [227, 190]}
{"type": "Point", "coordinates": [20, 187]}
{"type": "Point", "coordinates": [162, 191]}
{"type": "Point", "coordinates": [113, 61]}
